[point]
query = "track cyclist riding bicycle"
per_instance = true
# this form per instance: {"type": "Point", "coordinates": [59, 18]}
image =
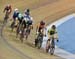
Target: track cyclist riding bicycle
{"type": "Point", "coordinates": [15, 18]}
{"type": "Point", "coordinates": [28, 19]}
{"type": "Point", "coordinates": [19, 26]}
{"type": "Point", "coordinates": [7, 10]}
{"type": "Point", "coordinates": [40, 33]}
{"type": "Point", "coordinates": [15, 14]}
{"type": "Point", "coordinates": [52, 33]}
{"type": "Point", "coordinates": [20, 18]}
{"type": "Point", "coordinates": [28, 22]}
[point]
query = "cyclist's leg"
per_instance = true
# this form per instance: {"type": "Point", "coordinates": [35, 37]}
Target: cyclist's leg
{"type": "Point", "coordinates": [6, 17]}
{"type": "Point", "coordinates": [17, 30]}
{"type": "Point", "coordinates": [48, 45]}
{"type": "Point", "coordinates": [30, 27]}
{"type": "Point", "coordinates": [27, 31]}
{"type": "Point", "coordinates": [52, 48]}
{"type": "Point", "coordinates": [22, 35]}
{"type": "Point", "coordinates": [47, 48]}
{"type": "Point", "coordinates": [36, 42]}
{"type": "Point", "coordinates": [13, 25]}
{"type": "Point", "coordinates": [40, 42]}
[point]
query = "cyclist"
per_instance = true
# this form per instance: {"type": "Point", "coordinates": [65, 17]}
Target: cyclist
{"type": "Point", "coordinates": [40, 33]}
{"type": "Point", "coordinates": [28, 18]}
{"type": "Point", "coordinates": [40, 27]}
{"type": "Point", "coordinates": [7, 10]}
{"type": "Point", "coordinates": [19, 26]}
{"type": "Point", "coordinates": [15, 14]}
{"type": "Point", "coordinates": [52, 35]}
{"type": "Point", "coordinates": [15, 17]}
{"type": "Point", "coordinates": [20, 18]}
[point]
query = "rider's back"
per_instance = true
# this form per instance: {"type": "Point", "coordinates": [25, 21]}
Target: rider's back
{"type": "Point", "coordinates": [51, 31]}
{"type": "Point", "coordinates": [40, 26]}
{"type": "Point", "coordinates": [15, 14]}
{"type": "Point", "coordinates": [20, 17]}
{"type": "Point", "coordinates": [28, 19]}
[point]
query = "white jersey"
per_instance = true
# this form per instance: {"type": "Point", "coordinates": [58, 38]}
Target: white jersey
{"type": "Point", "coordinates": [28, 18]}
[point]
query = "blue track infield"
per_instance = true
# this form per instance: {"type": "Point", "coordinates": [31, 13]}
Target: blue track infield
{"type": "Point", "coordinates": [66, 33]}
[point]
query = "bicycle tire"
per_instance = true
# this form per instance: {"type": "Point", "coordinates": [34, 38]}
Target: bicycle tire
{"type": "Point", "coordinates": [51, 51]}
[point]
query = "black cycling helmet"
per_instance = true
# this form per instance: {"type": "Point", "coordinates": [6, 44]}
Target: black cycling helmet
{"type": "Point", "coordinates": [53, 27]}
{"type": "Point", "coordinates": [42, 22]}
{"type": "Point", "coordinates": [28, 10]}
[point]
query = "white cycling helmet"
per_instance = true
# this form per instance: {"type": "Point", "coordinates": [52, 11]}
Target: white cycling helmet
{"type": "Point", "coordinates": [16, 9]}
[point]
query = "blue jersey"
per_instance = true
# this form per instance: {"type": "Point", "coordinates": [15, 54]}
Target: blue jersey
{"type": "Point", "coordinates": [15, 14]}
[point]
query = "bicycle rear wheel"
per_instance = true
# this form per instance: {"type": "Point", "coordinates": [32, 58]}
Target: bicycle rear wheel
{"type": "Point", "coordinates": [39, 43]}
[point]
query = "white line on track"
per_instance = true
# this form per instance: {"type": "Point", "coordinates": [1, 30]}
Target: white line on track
{"type": "Point", "coordinates": [60, 52]}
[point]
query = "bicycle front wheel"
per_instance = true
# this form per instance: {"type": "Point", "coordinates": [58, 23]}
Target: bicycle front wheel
{"type": "Point", "coordinates": [52, 50]}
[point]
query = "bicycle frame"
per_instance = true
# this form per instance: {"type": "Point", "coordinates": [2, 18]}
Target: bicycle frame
{"type": "Point", "coordinates": [6, 17]}
{"type": "Point", "coordinates": [40, 40]}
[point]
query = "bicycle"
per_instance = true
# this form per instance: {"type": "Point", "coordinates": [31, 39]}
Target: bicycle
{"type": "Point", "coordinates": [22, 34]}
{"type": "Point", "coordinates": [39, 40]}
{"type": "Point", "coordinates": [18, 29]}
{"type": "Point", "coordinates": [12, 25]}
{"type": "Point", "coordinates": [51, 47]}
{"type": "Point", "coordinates": [27, 31]}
